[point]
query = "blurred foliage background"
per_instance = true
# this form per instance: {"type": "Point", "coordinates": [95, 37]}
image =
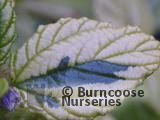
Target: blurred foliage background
{"type": "Point", "coordinates": [143, 13]}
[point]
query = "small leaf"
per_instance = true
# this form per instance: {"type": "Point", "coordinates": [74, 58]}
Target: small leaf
{"type": "Point", "coordinates": [3, 87]}
{"type": "Point", "coordinates": [7, 29]}
{"type": "Point", "coordinates": [81, 52]}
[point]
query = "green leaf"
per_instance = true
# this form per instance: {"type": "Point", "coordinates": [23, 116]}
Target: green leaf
{"type": "Point", "coordinates": [17, 115]}
{"type": "Point", "coordinates": [81, 52]}
{"type": "Point", "coordinates": [7, 29]}
{"type": "Point", "coordinates": [3, 87]}
{"type": "Point", "coordinates": [136, 110]}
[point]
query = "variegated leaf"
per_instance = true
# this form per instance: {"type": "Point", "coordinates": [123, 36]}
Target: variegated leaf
{"type": "Point", "coordinates": [7, 29]}
{"type": "Point", "coordinates": [81, 52]}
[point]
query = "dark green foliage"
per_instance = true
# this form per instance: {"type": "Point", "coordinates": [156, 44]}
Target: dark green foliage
{"type": "Point", "coordinates": [136, 110]}
{"type": "Point", "coordinates": [20, 114]}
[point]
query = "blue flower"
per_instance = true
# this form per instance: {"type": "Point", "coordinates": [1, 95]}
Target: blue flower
{"type": "Point", "coordinates": [10, 100]}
